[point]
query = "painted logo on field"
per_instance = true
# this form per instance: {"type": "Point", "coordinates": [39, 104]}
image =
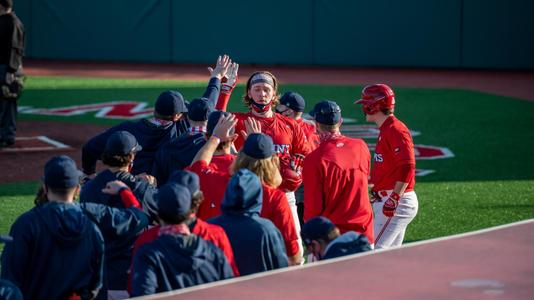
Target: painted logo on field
{"type": "Point", "coordinates": [125, 110]}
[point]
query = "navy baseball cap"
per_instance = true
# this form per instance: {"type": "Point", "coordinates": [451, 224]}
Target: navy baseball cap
{"type": "Point", "coordinates": [186, 178]}
{"type": "Point", "coordinates": [170, 103]}
{"type": "Point", "coordinates": [173, 199]}
{"type": "Point", "coordinates": [60, 172]}
{"type": "Point", "coordinates": [326, 112]}
{"type": "Point", "coordinates": [294, 101]}
{"type": "Point", "coordinates": [122, 143]}
{"type": "Point", "coordinates": [259, 146]}
{"type": "Point", "coordinates": [199, 110]}
{"type": "Point", "coordinates": [213, 119]}
{"type": "Point", "coordinates": [5, 239]}
{"type": "Point", "coordinates": [316, 228]}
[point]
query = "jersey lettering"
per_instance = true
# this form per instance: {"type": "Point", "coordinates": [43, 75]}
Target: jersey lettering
{"type": "Point", "coordinates": [378, 157]}
{"type": "Point", "coordinates": [281, 149]}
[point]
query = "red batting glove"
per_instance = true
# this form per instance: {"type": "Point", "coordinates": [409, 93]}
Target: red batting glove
{"type": "Point", "coordinates": [291, 180]}
{"type": "Point", "coordinates": [296, 162]}
{"type": "Point", "coordinates": [391, 205]}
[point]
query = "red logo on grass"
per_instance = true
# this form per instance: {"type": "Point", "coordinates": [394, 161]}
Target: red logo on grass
{"type": "Point", "coordinates": [109, 110]}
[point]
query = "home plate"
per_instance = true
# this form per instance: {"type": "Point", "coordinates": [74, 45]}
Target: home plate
{"type": "Point", "coordinates": [35, 143]}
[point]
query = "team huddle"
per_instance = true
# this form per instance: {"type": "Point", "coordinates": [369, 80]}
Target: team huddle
{"type": "Point", "coordinates": [196, 194]}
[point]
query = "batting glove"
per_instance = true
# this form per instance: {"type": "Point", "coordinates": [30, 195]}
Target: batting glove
{"type": "Point", "coordinates": [391, 205]}
{"type": "Point", "coordinates": [230, 79]}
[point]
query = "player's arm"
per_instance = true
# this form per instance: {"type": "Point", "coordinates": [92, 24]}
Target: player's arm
{"type": "Point", "coordinates": [221, 133]}
{"type": "Point", "coordinates": [228, 84]}
{"type": "Point", "coordinates": [216, 75]}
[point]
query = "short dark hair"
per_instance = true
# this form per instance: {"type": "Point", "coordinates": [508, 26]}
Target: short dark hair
{"type": "Point", "coordinates": [166, 118]}
{"type": "Point", "coordinates": [387, 111]}
{"type": "Point", "coordinates": [116, 160]}
{"type": "Point", "coordinates": [330, 236]}
{"type": "Point", "coordinates": [328, 128]}
{"type": "Point", "coordinates": [6, 3]}
{"type": "Point", "coordinates": [197, 198]}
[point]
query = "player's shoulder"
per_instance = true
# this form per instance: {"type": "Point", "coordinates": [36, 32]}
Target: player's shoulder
{"type": "Point", "coordinates": [286, 120]}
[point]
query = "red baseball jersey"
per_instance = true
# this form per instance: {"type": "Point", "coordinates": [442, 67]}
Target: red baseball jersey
{"type": "Point", "coordinates": [275, 207]}
{"type": "Point", "coordinates": [394, 150]}
{"type": "Point", "coordinates": [213, 181]}
{"type": "Point", "coordinates": [287, 135]}
{"type": "Point", "coordinates": [335, 185]}
{"type": "Point", "coordinates": [310, 132]}
{"type": "Point", "coordinates": [209, 232]}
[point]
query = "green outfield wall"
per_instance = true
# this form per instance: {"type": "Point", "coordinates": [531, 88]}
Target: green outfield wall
{"type": "Point", "coordinates": [380, 33]}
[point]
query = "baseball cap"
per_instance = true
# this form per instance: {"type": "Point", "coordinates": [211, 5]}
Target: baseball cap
{"type": "Point", "coordinates": [326, 112]}
{"type": "Point", "coordinates": [170, 103]}
{"type": "Point", "coordinates": [60, 172]}
{"type": "Point", "coordinates": [173, 199]}
{"type": "Point", "coordinates": [213, 119]}
{"type": "Point", "coordinates": [186, 178]}
{"type": "Point", "coordinates": [122, 143]}
{"type": "Point", "coordinates": [316, 228]}
{"type": "Point", "coordinates": [259, 146]}
{"type": "Point", "coordinates": [5, 239]}
{"type": "Point", "coordinates": [294, 101]}
{"type": "Point", "coordinates": [198, 109]}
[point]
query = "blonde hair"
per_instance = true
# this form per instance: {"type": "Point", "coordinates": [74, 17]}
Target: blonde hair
{"type": "Point", "coordinates": [248, 101]}
{"type": "Point", "coordinates": [266, 169]}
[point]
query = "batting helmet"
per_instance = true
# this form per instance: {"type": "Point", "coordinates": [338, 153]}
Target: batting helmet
{"type": "Point", "coordinates": [376, 97]}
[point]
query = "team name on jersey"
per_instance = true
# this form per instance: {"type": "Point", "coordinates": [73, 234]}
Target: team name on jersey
{"type": "Point", "coordinates": [281, 149]}
{"type": "Point", "coordinates": [378, 157]}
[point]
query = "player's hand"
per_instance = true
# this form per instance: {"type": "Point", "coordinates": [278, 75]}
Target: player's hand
{"type": "Point", "coordinates": [113, 187]}
{"type": "Point", "coordinates": [86, 177]}
{"type": "Point", "coordinates": [224, 128]}
{"type": "Point", "coordinates": [291, 180]}
{"type": "Point", "coordinates": [230, 79]}
{"type": "Point", "coordinates": [391, 205]}
{"type": "Point", "coordinates": [251, 126]}
{"type": "Point", "coordinates": [221, 67]}
{"type": "Point", "coordinates": [148, 178]}
{"type": "Point", "coordinates": [296, 162]}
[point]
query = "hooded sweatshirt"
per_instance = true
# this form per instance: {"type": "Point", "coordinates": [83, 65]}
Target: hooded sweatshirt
{"type": "Point", "coordinates": [177, 154]}
{"type": "Point", "coordinates": [56, 251]}
{"type": "Point", "coordinates": [347, 244]}
{"type": "Point", "coordinates": [258, 245]}
{"type": "Point", "coordinates": [175, 261]}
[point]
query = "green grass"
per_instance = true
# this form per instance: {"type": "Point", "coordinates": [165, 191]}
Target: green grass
{"type": "Point", "coordinates": [489, 181]}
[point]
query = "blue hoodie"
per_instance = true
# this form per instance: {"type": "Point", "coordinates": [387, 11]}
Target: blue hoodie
{"type": "Point", "coordinates": [150, 136]}
{"type": "Point", "coordinates": [9, 291]}
{"type": "Point", "coordinates": [258, 245]}
{"type": "Point", "coordinates": [56, 251]}
{"type": "Point", "coordinates": [177, 154]}
{"type": "Point", "coordinates": [177, 261]}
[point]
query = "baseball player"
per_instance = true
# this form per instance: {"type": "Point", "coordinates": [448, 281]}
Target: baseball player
{"type": "Point", "coordinates": [289, 139]}
{"type": "Point", "coordinates": [258, 245]}
{"type": "Point", "coordinates": [169, 122]}
{"type": "Point", "coordinates": [176, 259]}
{"type": "Point", "coordinates": [56, 250]}
{"type": "Point", "coordinates": [393, 174]}
{"type": "Point", "coordinates": [292, 106]}
{"type": "Point", "coordinates": [209, 232]}
{"type": "Point", "coordinates": [335, 175]}
{"type": "Point", "coordinates": [324, 241]}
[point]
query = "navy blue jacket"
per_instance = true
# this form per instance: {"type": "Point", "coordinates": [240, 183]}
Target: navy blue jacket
{"type": "Point", "coordinates": [120, 228]}
{"type": "Point", "coordinates": [258, 245]}
{"type": "Point", "coordinates": [143, 191]}
{"type": "Point", "coordinates": [347, 244]}
{"type": "Point", "coordinates": [150, 136]}
{"type": "Point", "coordinates": [177, 261]}
{"type": "Point", "coordinates": [177, 154]}
{"type": "Point", "coordinates": [56, 250]}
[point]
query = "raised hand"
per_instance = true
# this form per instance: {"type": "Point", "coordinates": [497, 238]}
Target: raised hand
{"type": "Point", "coordinates": [230, 79]}
{"type": "Point", "coordinates": [221, 67]}
{"type": "Point", "coordinates": [251, 126]}
{"type": "Point", "coordinates": [224, 128]}
{"type": "Point", "coordinates": [113, 187]}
